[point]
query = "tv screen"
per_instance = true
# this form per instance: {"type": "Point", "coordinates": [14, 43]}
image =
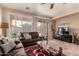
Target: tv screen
{"type": "Point", "coordinates": [63, 30]}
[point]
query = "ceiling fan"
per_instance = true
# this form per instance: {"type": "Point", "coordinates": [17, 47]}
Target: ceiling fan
{"type": "Point", "coordinates": [51, 5]}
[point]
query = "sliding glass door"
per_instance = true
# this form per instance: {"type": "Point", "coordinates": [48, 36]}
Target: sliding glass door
{"type": "Point", "coordinates": [41, 26]}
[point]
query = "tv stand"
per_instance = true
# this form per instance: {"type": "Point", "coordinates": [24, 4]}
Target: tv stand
{"type": "Point", "coordinates": [66, 38]}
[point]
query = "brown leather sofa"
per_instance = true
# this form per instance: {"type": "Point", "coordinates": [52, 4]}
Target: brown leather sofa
{"type": "Point", "coordinates": [34, 38]}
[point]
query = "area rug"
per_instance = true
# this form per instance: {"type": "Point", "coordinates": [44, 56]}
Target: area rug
{"type": "Point", "coordinates": [37, 50]}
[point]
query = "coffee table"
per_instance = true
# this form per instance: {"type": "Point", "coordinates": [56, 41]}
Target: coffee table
{"type": "Point", "coordinates": [47, 47]}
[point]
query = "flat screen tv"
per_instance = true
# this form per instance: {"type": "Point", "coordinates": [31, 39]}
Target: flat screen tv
{"type": "Point", "coordinates": [63, 30]}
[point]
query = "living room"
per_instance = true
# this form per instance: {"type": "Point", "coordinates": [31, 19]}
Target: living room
{"type": "Point", "coordinates": [36, 26]}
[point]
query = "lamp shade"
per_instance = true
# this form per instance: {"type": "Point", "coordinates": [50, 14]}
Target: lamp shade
{"type": "Point", "coordinates": [4, 25]}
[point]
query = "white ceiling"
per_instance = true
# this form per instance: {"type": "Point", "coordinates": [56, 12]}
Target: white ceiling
{"type": "Point", "coordinates": [44, 10]}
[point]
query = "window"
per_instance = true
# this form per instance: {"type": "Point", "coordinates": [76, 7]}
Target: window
{"type": "Point", "coordinates": [21, 26]}
{"type": "Point", "coordinates": [13, 22]}
{"type": "Point", "coordinates": [27, 26]}
{"type": "Point", "coordinates": [18, 23]}
{"type": "Point", "coordinates": [42, 28]}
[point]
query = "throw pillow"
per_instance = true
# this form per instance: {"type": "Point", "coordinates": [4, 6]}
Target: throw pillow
{"type": "Point", "coordinates": [8, 47]}
{"type": "Point", "coordinates": [27, 36]}
{"type": "Point", "coordinates": [1, 42]}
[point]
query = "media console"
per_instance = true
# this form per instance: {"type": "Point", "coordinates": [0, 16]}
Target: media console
{"type": "Point", "coordinates": [66, 38]}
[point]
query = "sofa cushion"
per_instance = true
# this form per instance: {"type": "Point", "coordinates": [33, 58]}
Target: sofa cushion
{"type": "Point", "coordinates": [34, 34]}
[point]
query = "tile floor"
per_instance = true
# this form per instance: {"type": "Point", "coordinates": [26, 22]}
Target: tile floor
{"type": "Point", "coordinates": [69, 49]}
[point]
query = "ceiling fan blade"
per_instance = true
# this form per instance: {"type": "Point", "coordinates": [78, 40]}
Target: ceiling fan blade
{"type": "Point", "coordinates": [52, 5]}
{"type": "Point", "coordinates": [43, 3]}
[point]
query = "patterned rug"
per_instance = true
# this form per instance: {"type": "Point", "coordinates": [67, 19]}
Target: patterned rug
{"type": "Point", "coordinates": [37, 50]}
